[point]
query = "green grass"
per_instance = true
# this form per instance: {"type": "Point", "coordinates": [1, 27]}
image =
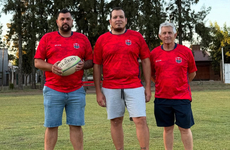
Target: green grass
{"type": "Point", "coordinates": [21, 124]}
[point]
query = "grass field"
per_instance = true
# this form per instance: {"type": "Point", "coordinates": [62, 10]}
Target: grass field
{"type": "Point", "coordinates": [21, 124]}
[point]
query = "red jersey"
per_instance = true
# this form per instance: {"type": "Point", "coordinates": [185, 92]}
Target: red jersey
{"type": "Point", "coordinates": [171, 69]}
{"type": "Point", "coordinates": [53, 47]}
{"type": "Point", "coordinates": [119, 54]}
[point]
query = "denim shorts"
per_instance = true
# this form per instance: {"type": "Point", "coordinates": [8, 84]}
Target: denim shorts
{"type": "Point", "coordinates": [55, 102]}
{"type": "Point", "coordinates": [118, 99]}
{"type": "Point", "coordinates": [170, 111]}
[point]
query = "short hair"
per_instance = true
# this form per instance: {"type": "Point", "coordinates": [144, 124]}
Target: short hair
{"type": "Point", "coordinates": [167, 24]}
{"type": "Point", "coordinates": [63, 11]}
{"type": "Point", "coordinates": [116, 8]}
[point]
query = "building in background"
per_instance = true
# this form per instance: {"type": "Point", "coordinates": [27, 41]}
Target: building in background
{"type": "Point", "coordinates": [203, 61]}
{"type": "Point", "coordinates": [4, 69]}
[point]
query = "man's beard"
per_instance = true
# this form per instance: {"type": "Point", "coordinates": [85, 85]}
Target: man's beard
{"type": "Point", "coordinates": [118, 29]}
{"type": "Point", "coordinates": [65, 29]}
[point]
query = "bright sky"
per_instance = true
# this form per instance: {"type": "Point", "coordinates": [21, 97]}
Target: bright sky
{"type": "Point", "coordinates": [220, 13]}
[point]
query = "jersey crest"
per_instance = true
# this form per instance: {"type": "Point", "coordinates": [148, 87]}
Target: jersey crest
{"type": "Point", "coordinates": [178, 59]}
{"type": "Point", "coordinates": [128, 42]}
{"type": "Point", "coordinates": [76, 45]}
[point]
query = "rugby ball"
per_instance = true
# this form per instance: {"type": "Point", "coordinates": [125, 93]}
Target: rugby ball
{"type": "Point", "coordinates": [68, 65]}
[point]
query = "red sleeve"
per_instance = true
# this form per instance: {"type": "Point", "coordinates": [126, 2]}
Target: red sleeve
{"type": "Point", "coordinates": [144, 52]}
{"type": "Point", "coordinates": [88, 54]}
{"type": "Point", "coordinates": [97, 56]}
{"type": "Point", "coordinates": [152, 64]}
{"type": "Point", "coordinates": [191, 64]}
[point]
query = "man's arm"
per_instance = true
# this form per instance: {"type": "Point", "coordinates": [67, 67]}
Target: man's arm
{"type": "Point", "coordinates": [84, 65]}
{"type": "Point", "coordinates": [147, 75]}
{"type": "Point", "coordinates": [97, 82]}
{"type": "Point", "coordinates": [44, 66]}
{"type": "Point", "coordinates": [191, 76]}
{"type": "Point", "coordinates": [88, 64]}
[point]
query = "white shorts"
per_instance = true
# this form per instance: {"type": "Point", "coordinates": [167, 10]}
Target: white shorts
{"type": "Point", "coordinates": [118, 99]}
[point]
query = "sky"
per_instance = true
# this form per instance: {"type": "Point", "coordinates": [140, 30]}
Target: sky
{"type": "Point", "coordinates": [220, 11]}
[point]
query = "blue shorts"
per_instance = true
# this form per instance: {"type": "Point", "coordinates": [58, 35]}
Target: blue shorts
{"type": "Point", "coordinates": [55, 102]}
{"type": "Point", "coordinates": [170, 111]}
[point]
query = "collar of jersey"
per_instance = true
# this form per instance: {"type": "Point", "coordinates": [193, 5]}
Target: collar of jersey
{"type": "Point", "coordinates": [62, 36]}
{"type": "Point", "coordinates": [173, 48]}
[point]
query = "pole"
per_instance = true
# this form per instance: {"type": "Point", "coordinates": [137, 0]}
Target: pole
{"type": "Point", "coordinates": [12, 74]}
{"type": "Point", "coordinates": [223, 69]}
{"type": "Point", "coordinates": [2, 67]}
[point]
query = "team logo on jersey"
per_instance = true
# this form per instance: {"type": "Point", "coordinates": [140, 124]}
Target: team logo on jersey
{"type": "Point", "coordinates": [76, 45]}
{"type": "Point", "coordinates": [178, 59]}
{"type": "Point", "coordinates": [128, 42]}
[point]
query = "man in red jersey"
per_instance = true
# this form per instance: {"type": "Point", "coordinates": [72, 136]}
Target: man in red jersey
{"type": "Point", "coordinates": [173, 67]}
{"type": "Point", "coordinates": [63, 91]}
{"type": "Point", "coordinates": [118, 52]}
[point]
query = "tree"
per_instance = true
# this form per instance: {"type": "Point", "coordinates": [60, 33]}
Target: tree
{"type": "Point", "coordinates": [33, 26]}
{"type": "Point", "coordinates": [11, 57]}
{"type": "Point", "coordinates": [91, 18]}
{"type": "Point", "coordinates": [17, 8]}
{"type": "Point", "coordinates": [1, 43]}
{"type": "Point", "coordinates": [180, 12]}
{"type": "Point", "coordinates": [29, 32]}
{"type": "Point", "coordinates": [42, 12]}
{"type": "Point", "coordinates": [150, 18]}
{"type": "Point", "coordinates": [204, 37]}
{"type": "Point", "coordinates": [220, 39]}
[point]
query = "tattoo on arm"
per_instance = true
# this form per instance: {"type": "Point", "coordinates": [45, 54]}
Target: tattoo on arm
{"type": "Point", "coordinates": [143, 147]}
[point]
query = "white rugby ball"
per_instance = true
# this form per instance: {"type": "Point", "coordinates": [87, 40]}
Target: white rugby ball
{"type": "Point", "coordinates": [68, 65]}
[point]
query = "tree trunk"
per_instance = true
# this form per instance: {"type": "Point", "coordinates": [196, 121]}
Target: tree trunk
{"type": "Point", "coordinates": [33, 83]}
{"type": "Point", "coordinates": [20, 74]}
{"type": "Point", "coordinates": [42, 75]}
{"type": "Point", "coordinates": [179, 22]}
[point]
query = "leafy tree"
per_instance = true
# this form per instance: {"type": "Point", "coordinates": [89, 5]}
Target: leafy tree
{"type": "Point", "coordinates": [11, 57]}
{"type": "Point", "coordinates": [180, 12]}
{"type": "Point", "coordinates": [1, 43]}
{"type": "Point", "coordinates": [17, 8]}
{"type": "Point", "coordinates": [151, 17]}
{"type": "Point", "coordinates": [220, 39]}
{"type": "Point", "coordinates": [29, 36]}
{"type": "Point", "coordinates": [42, 23]}
{"type": "Point", "coordinates": [42, 16]}
{"type": "Point", "coordinates": [204, 37]}
{"type": "Point", "coordinates": [90, 18]}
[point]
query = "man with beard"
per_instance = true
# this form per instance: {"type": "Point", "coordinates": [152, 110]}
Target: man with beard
{"type": "Point", "coordinates": [118, 52]}
{"type": "Point", "coordinates": [63, 91]}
